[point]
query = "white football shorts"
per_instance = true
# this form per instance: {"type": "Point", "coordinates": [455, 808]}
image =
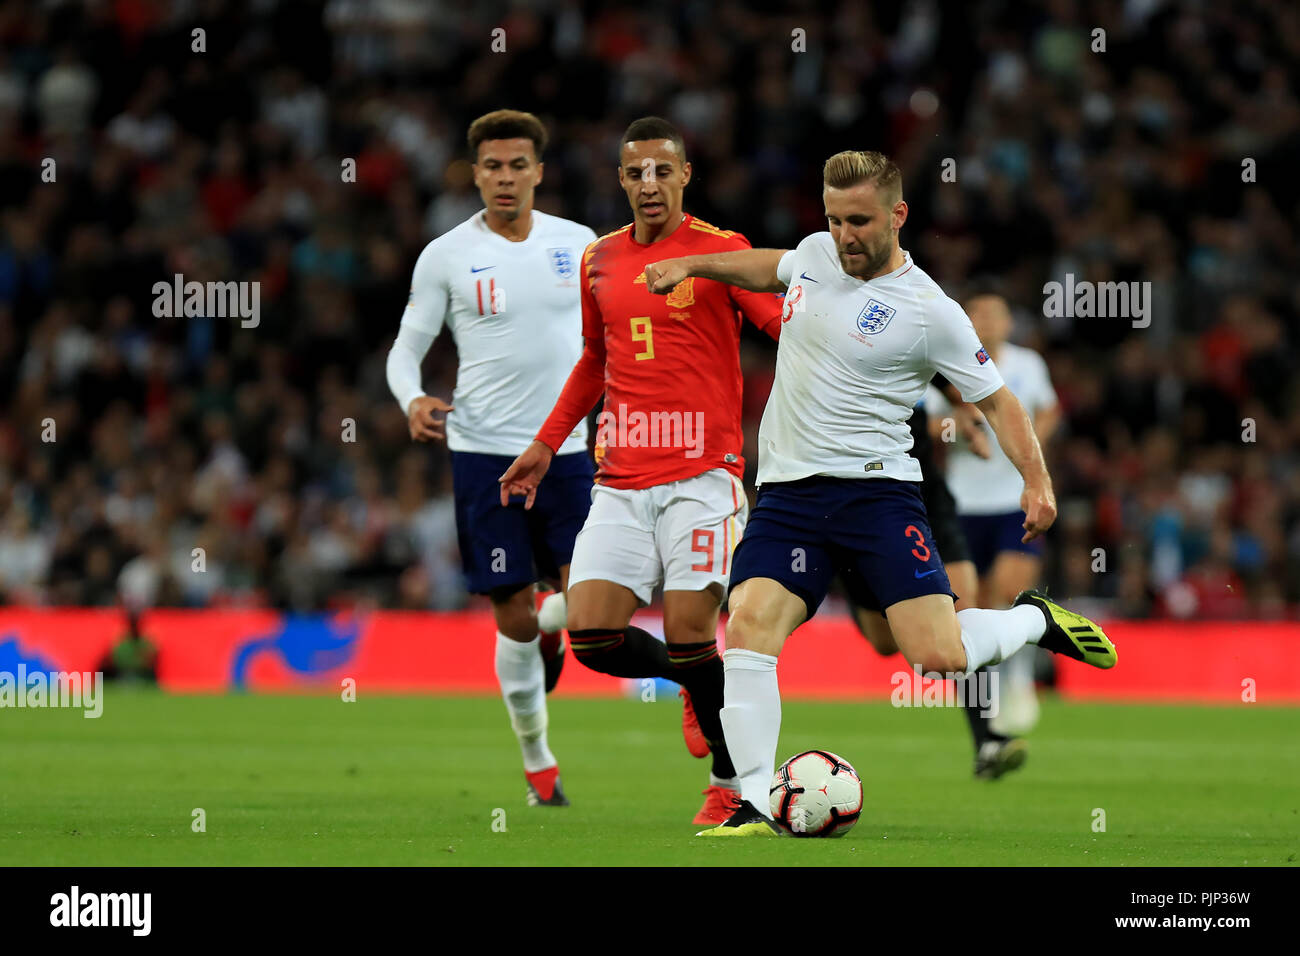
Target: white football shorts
{"type": "Point", "coordinates": [679, 535]}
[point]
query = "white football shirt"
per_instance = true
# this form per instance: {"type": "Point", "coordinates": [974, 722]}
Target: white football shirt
{"type": "Point", "coordinates": [989, 486]}
{"type": "Point", "coordinates": [853, 359]}
{"type": "Point", "coordinates": [515, 312]}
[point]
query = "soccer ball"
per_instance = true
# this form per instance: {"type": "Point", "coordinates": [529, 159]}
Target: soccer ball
{"type": "Point", "coordinates": [816, 794]}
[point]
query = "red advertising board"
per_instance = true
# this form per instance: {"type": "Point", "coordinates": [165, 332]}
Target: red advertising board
{"type": "Point", "coordinates": [398, 651]}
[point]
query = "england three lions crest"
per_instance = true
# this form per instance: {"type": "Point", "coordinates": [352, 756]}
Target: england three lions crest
{"type": "Point", "coordinates": [874, 317]}
{"type": "Point", "coordinates": [562, 262]}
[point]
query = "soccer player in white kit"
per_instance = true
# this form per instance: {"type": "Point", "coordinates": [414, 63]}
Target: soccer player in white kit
{"type": "Point", "coordinates": [986, 489]}
{"type": "Point", "coordinates": [505, 282]}
{"type": "Point", "coordinates": [865, 331]}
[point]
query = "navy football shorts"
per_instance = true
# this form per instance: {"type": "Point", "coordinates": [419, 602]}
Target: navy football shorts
{"type": "Point", "coordinates": [942, 512]}
{"type": "Point", "coordinates": [990, 535]}
{"type": "Point", "coordinates": [509, 548]}
{"type": "Point", "coordinates": [873, 532]}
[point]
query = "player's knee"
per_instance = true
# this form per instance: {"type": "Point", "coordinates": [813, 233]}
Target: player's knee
{"type": "Point", "coordinates": [584, 616]}
{"type": "Point", "coordinates": [931, 654]}
{"type": "Point", "coordinates": [939, 660]}
{"type": "Point", "coordinates": [690, 632]}
{"type": "Point", "coordinates": [747, 629]}
{"type": "Point", "coordinates": [515, 612]}
{"type": "Point", "coordinates": [593, 605]}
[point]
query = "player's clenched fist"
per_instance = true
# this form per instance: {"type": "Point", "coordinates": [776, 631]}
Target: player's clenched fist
{"type": "Point", "coordinates": [662, 277]}
{"type": "Point", "coordinates": [1039, 505]}
{"type": "Point", "coordinates": [526, 473]}
{"type": "Point", "coordinates": [420, 418]}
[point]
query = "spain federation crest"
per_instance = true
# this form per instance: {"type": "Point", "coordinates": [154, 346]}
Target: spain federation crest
{"type": "Point", "coordinates": [683, 294]}
{"type": "Point", "coordinates": [874, 317]}
{"type": "Point", "coordinates": [562, 262]}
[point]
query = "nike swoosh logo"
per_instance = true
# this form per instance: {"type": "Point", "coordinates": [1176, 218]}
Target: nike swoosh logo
{"type": "Point", "coordinates": [481, 268]}
{"type": "Point", "coordinates": [805, 275]}
{"type": "Point", "coordinates": [927, 573]}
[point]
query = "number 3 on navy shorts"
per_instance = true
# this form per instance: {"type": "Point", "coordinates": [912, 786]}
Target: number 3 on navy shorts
{"type": "Point", "coordinates": [921, 552]}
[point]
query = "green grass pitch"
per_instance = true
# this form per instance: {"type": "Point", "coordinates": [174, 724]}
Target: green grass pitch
{"type": "Point", "coordinates": [419, 781]}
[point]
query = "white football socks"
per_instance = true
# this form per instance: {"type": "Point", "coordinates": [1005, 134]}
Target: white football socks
{"type": "Point", "coordinates": [523, 687]}
{"type": "Point", "coordinates": [992, 636]}
{"type": "Point", "coordinates": [553, 615]}
{"type": "Point", "coordinates": [751, 721]}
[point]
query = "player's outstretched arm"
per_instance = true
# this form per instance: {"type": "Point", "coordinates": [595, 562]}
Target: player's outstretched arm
{"type": "Point", "coordinates": [526, 473]}
{"type": "Point", "coordinates": [1015, 433]}
{"type": "Point", "coordinates": [752, 269]}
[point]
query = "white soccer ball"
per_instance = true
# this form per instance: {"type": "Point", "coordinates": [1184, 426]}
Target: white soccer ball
{"type": "Point", "coordinates": [816, 794]}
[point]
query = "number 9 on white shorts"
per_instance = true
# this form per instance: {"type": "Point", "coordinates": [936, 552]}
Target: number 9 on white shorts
{"type": "Point", "coordinates": [680, 534]}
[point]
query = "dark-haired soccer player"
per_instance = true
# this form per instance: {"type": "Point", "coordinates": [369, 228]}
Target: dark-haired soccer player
{"type": "Point", "coordinates": [668, 505]}
{"type": "Point", "coordinates": [864, 332]}
{"type": "Point", "coordinates": [505, 282]}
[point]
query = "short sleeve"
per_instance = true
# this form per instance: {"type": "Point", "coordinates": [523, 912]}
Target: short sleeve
{"type": "Point", "coordinates": [785, 268]}
{"type": "Point", "coordinates": [955, 351]}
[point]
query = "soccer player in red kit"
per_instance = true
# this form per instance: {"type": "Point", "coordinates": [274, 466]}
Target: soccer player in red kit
{"type": "Point", "coordinates": [668, 505]}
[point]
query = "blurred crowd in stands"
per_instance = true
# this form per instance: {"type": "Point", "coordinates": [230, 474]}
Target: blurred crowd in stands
{"type": "Point", "coordinates": [194, 461]}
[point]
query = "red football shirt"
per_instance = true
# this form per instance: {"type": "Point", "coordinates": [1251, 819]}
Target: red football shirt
{"type": "Point", "coordinates": [669, 365]}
